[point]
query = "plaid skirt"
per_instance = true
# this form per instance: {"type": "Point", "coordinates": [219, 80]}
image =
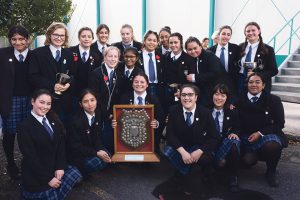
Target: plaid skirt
{"type": "Point", "coordinates": [20, 110]}
{"type": "Point", "coordinates": [176, 159]}
{"type": "Point", "coordinates": [224, 149]}
{"type": "Point", "coordinates": [247, 146]}
{"type": "Point", "coordinates": [94, 164]}
{"type": "Point", "coordinates": [70, 178]}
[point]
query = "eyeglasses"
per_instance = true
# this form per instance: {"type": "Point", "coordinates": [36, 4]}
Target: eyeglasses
{"type": "Point", "coordinates": [56, 36]}
{"type": "Point", "coordinates": [129, 57]}
{"type": "Point", "coordinates": [187, 94]}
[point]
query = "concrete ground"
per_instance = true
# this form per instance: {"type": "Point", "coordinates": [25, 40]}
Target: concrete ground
{"type": "Point", "coordinates": [127, 181]}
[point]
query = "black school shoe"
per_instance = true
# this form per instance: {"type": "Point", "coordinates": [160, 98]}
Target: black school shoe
{"type": "Point", "coordinates": [13, 171]}
{"type": "Point", "coordinates": [271, 179]}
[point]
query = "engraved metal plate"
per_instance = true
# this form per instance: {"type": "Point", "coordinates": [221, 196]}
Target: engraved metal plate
{"type": "Point", "coordinates": [133, 122]}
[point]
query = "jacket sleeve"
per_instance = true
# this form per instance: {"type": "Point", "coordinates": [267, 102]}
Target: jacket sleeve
{"type": "Point", "coordinates": [172, 139]}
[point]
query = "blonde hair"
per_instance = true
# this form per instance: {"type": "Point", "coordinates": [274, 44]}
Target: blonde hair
{"type": "Point", "coordinates": [54, 26]}
{"type": "Point", "coordinates": [111, 48]}
{"type": "Point", "coordinates": [131, 29]}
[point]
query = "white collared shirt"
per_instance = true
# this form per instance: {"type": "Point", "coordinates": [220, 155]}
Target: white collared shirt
{"type": "Point", "coordinates": [89, 117]}
{"type": "Point", "coordinates": [136, 101]}
{"type": "Point", "coordinates": [100, 46]}
{"type": "Point", "coordinates": [146, 59]}
{"type": "Point", "coordinates": [40, 119]}
{"type": "Point", "coordinates": [164, 50]}
{"type": "Point", "coordinates": [250, 96]}
{"type": "Point", "coordinates": [176, 56]}
{"type": "Point", "coordinates": [192, 116]}
{"type": "Point", "coordinates": [254, 47]}
{"type": "Point", "coordinates": [226, 54]}
{"type": "Point", "coordinates": [109, 70]}
{"type": "Point", "coordinates": [130, 70]}
{"type": "Point", "coordinates": [81, 50]}
{"type": "Point", "coordinates": [53, 50]}
{"type": "Point", "coordinates": [220, 118]}
{"type": "Point", "coordinates": [24, 53]}
{"type": "Point", "coordinates": [131, 44]}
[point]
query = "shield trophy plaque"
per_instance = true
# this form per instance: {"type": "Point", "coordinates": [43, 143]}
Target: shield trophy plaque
{"type": "Point", "coordinates": [133, 135]}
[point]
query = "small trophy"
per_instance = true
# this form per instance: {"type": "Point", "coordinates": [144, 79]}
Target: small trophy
{"type": "Point", "coordinates": [62, 78]}
{"type": "Point", "coordinates": [249, 65]}
{"type": "Point", "coordinates": [174, 88]}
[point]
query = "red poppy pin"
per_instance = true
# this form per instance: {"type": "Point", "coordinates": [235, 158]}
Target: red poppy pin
{"type": "Point", "coordinates": [105, 78]}
{"type": "Point", "coordinates": [157, 57]}
{"type": "Point", "coordinates": [75, 57]}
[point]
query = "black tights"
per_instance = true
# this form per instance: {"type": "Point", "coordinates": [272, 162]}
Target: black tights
{"type": "Point", "coordinates": [8, 147]}
{"type": "Point", "coordinates": [269, 152]}
{"type": "Point", "coordinates": [232, 161]}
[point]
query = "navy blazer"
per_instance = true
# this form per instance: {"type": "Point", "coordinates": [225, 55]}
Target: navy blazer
{"type": "Point", "coordinates": [42, 156]}
{"type": "Point", "coordinates": [203, 130]}
{"type": "Point", "coordinates": [83, 70]}
{"type": "Point", "coordinates": [120, 46]}
{"type": "Point", "coordinates": [7, 78]}
{"type": "Point", "coordinates": [99, 82]}
{"type": "Point", "coordinates": [126, 85]}
{"type": "Point", "coordinates": [95, 49]}
{"type": "Point", "coordinates": [266, 64]}
{"type": "Point", "coordinates": [83, 140]}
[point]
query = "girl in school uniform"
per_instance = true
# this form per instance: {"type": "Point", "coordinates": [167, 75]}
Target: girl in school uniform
{"type": "Point", "coordinates": [151, 62]}
{"type": "Point", "coordinates": [208, 69]}
{"type": "Point", "coordinates": [227, 125]}
{"type": "Point", "coordinates": [105, 81]}
{"type": "Point", "coordinates": [255, 50]}
{"type": "Point", "coordinates": [229, 54]}
{"type": "Point", "coordinates": [85, 60]}
{"type": "Point", "coordinates": [45, 173]}
{"type": "Point", "coordinates": [85, 149]}
{"type": "Point", "coordinates": [178, 64]}
{"type": "Point", "coordinates": [261, 117]}
{"type": "Point", "coordinates": [15, 91]}
{"type": "Point", "coordinates": [128, 69]}
{"type": "Point", "coordinates": [101, 44]}
{"type": "Point", "coordinates": [164, 35]}
{"type": "Point", "coordinates": [50, 60]}
{"type": "Point", "coordinates": [127, 40]}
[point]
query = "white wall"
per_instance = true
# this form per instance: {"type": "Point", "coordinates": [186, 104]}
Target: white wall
{"type": "Point", "coordinates": [264, 12]}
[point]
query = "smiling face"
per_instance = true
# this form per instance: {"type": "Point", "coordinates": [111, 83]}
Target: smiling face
{"type": "Point", "coordinates": [41, 105]}
{"type": "Point", "coordinates": [150, 43]}
{"type": "Point", "coordinates": [224, 36]}
{"type": "Point", "coordinates": [111, 59]}
{"type": "Point", "coordinates": [219, 99]}
{"type": "Point", "coordinates": [85, 39]}
{"type": "Point", "coordinates": [188, 98]}
{"type": "Point", "coordinates": [19, 42]}
{"type": "Point", "coordinates": [58, 37]}
{"type": "Point", "coordinates": [164, 39]}
{"type": "Point", "coordinates": [89, 103]}
{"type": "Point", "coordinates": [255, 85]}
{"type": "Point", "coordinates": [193, 49]}
{"type": "Point", "coordinates": [252, 33]}
{"type": "Point", "coordinates": [139, 84]}
{"type": "Point", "coordinates": [130, 59]}
{"type": "Point", "coordinates": [126, 35]}
{"type": "Point", "coordinates": [174, 44]}
{"type": "Point", "coordinates": [103, 36]}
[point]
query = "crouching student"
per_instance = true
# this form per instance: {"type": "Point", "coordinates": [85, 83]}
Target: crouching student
{"type": "Point", "coordinates": [262, 119]}
{"type": "Point", "coordinates": [191, 136]}
{"type": "Point", "coordinates": [45, 173]}
{"type": "Point", "coordinates": [227, 125]}
{"type": "Point", "coordinates": [85, 149]}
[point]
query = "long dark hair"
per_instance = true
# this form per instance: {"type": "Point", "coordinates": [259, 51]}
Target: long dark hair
{"type": "Point", "coordinates": [223, 89]}
{"type": "Point", "coordinates": [261, 44]}
{"type": "Point", "coordinates": [17, 29]}
{"type": "Point", "coordinates": [85, 92]}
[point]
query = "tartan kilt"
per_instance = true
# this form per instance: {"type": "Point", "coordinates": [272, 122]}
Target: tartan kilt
{"type": "Point", "coordinates": [258, 144]}
{"type": "Point", "coordinates": [176, 160]}
{"type": "Point", "coordinates": [20, 110]}
{"type": "Point", "coordinates": [224, 149]}
{"type": "Point", "coordinates": [70, 178]}
{"type": "Point", "coordinates": [94, 164]}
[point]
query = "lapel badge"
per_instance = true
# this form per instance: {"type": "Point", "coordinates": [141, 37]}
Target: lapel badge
{"type": "Point", "coordinates": [97, 123]}
{"type": "Point", "coordinates": [267, 112]}
{"type": "Point", "coordinates": [88, 131]}
{"type": "Point", "coordinates": [65, 61]}
{"type": "Point", "coordinates": [258, 55]}
{"type": "Point", "coordinates": [53, 124]}
{"type": "Point", "coordinates": [204, 134]}
{"type": "Point", "coordinates": [197, 119]}
{"type": "Point", "coordinates": [230, 52]}
{"type": "Point", "coordinates": [201, 61]}
{"type": "Point", "coordinates": [10, 60]}
{"type": "Point", "coordinates": [227, 118]}
{"type": "Point", "coordinates": [182, 62]}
